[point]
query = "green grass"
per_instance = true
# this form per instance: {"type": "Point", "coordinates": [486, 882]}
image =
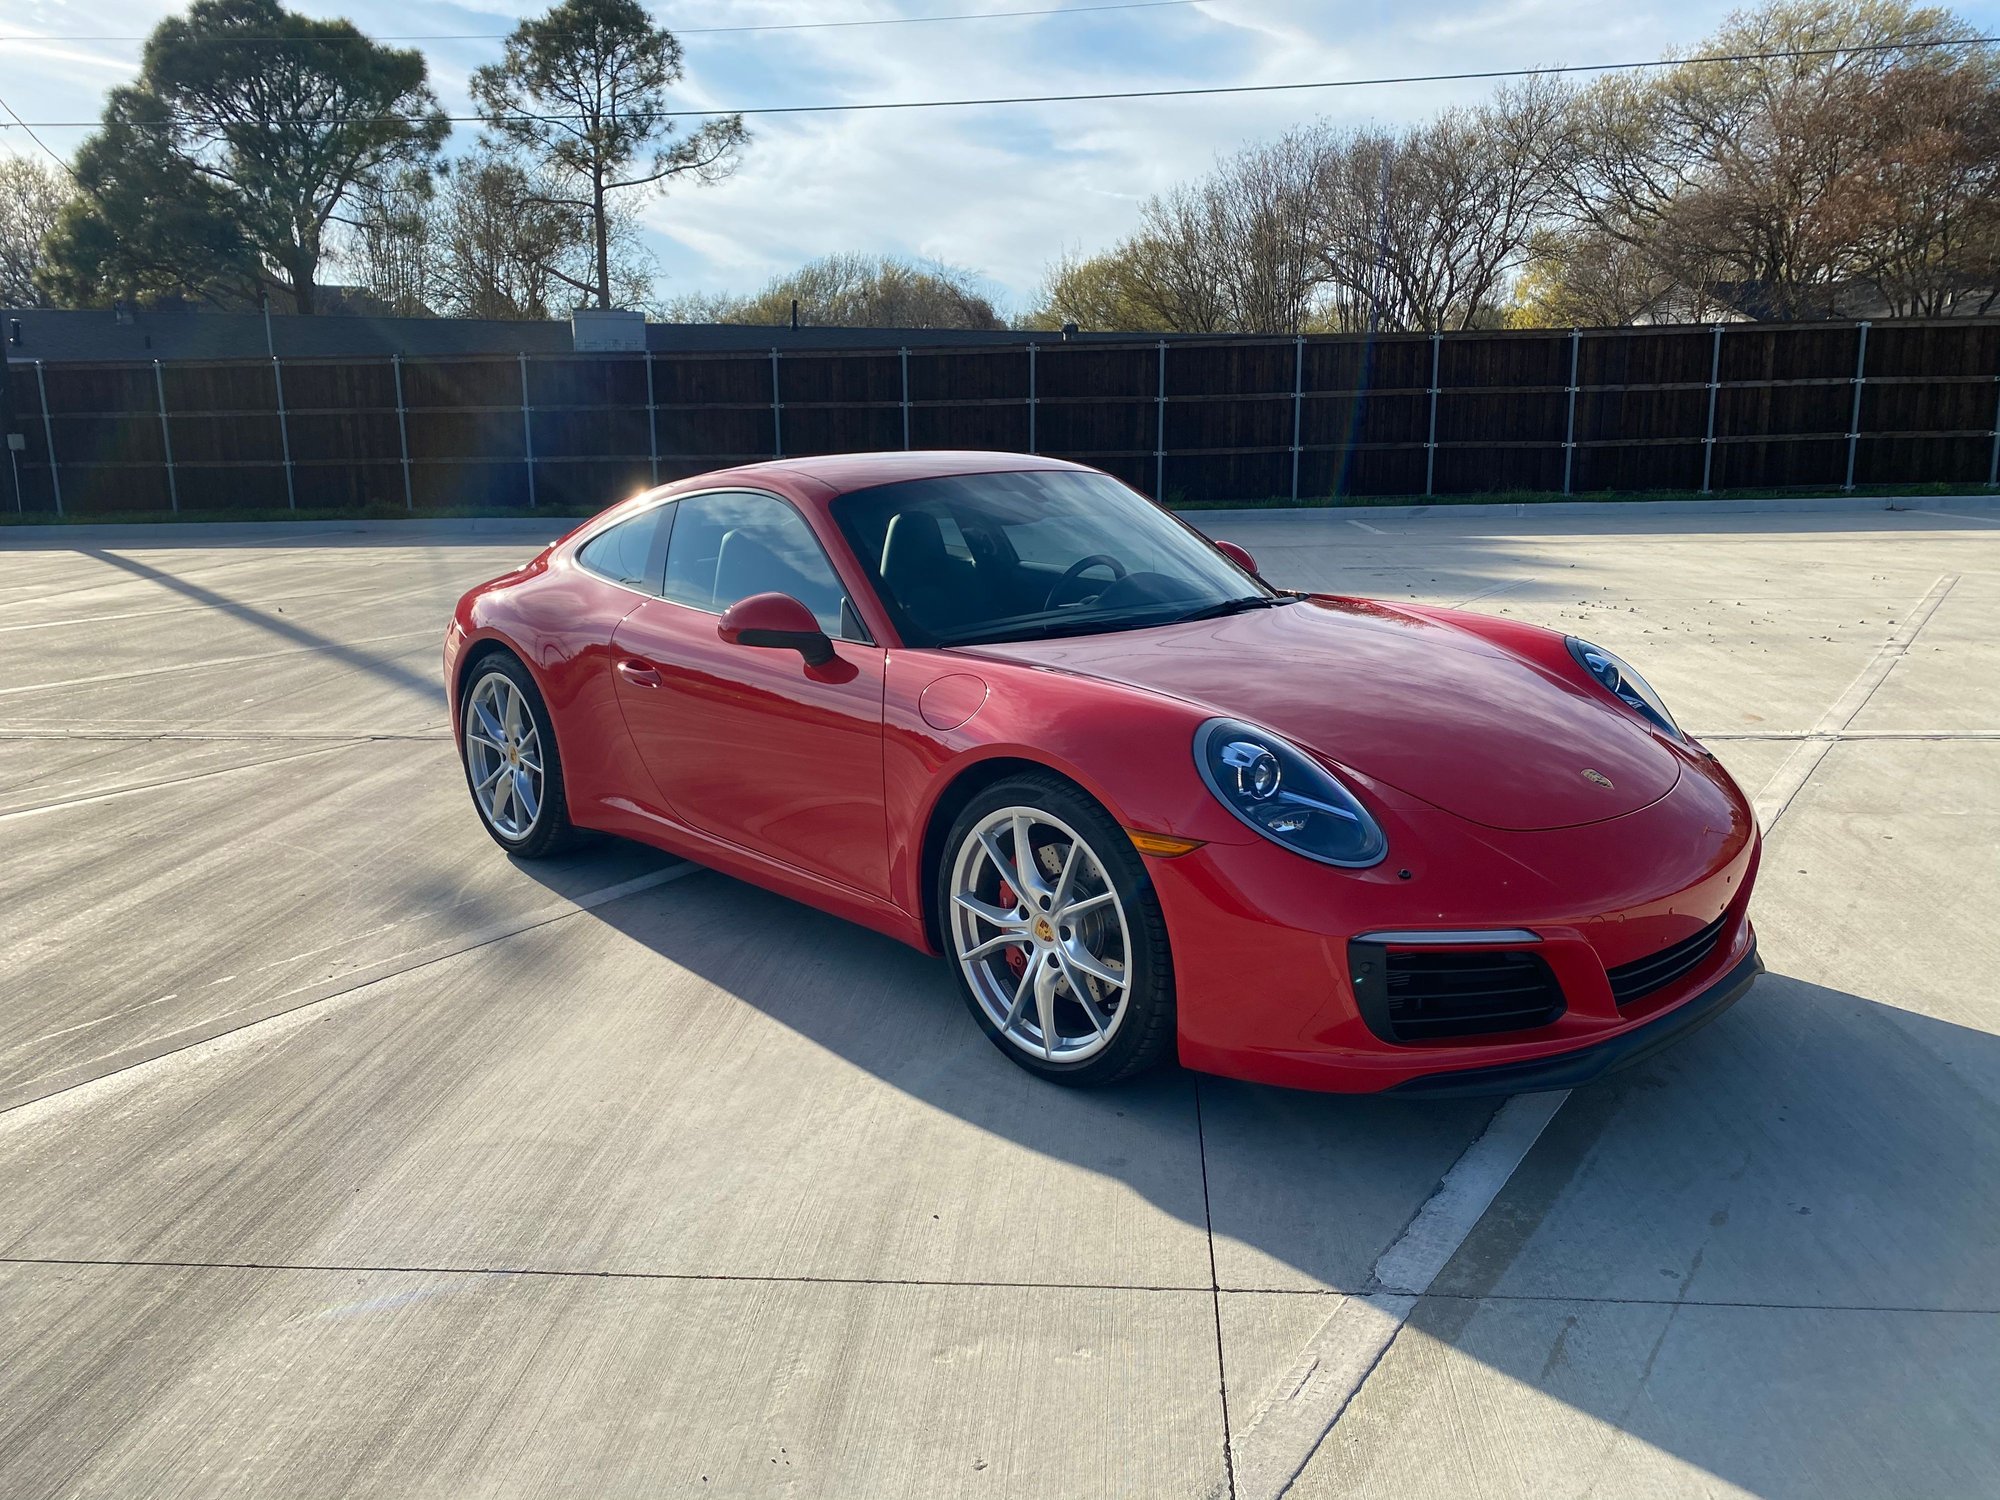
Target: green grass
{"type": "Point", "coordinates": [1175, 501]}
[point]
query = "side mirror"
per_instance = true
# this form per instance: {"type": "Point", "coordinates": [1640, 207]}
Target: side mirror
{"type": "Point", "coordinates": [1239, 556]}
{"type": "Point", "coordinates": [778, 621]}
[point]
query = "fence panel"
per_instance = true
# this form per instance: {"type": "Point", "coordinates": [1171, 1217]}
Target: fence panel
{"type": "Point", "coordinates": [1237, 420]}
{"type": "Point", "coordinates": [970, 399]}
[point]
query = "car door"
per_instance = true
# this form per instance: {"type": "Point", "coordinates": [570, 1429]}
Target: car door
{"type": "Point", "coordinates": [751, 744]}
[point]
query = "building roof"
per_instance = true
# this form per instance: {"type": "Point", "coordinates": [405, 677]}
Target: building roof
{"type": "Point", "coordinates": [104, 335]}
{"type": "Point", "coordinates": [843, 473]}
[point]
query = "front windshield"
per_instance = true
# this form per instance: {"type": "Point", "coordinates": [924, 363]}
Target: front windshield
{"type": "Point", "coordinates": [1041, 552]}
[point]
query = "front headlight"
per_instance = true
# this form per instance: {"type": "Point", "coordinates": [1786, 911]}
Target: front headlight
{"type": "Point", "coordinates": [1286, 795]}
{"type": "Point", "coordinates": [1621, 682]}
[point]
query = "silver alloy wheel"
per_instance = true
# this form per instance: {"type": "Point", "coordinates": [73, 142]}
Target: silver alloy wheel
{"type": "Point", "coordinates": [503, 754]}
{"type": "Point", "coordinates": [1041, 939]}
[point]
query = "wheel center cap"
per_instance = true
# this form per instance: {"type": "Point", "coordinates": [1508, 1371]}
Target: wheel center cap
{"type": "Point", "coordinates": [1043, 931]}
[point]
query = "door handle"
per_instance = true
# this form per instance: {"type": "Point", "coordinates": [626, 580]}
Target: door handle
{"type": "Point", "coordinates": [638, 673]}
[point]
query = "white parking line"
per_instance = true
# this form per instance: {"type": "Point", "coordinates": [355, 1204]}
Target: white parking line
{"type": "Point", "coordinates": [1491, 590]}
{"type": "Point", "coordinates": [1465, 1193]}
{"type": "Point", "coordinates": [1296, 1419]}
{"type": "Point", "coordinates": [1958, 515]}
{"type": "Point", "coordinates": [206, 609]}
{"type": "Point", "coordinates": [1287, 1430]}
{"type": "Point", "coordinates": [1365, 526]}
{"type": "Point", "coordinates": [1284, 1434]}
{"type": "Point", "coordinates": [89, 799]}
{"type": "Point", "coordinates": [219, 661]}
{"type": "Point", "coordinates": [1798, 767]}
{"type": "Point", "coordinates": [1845, 734]}
{"type": "Point", "coordinates": [139, 1062]}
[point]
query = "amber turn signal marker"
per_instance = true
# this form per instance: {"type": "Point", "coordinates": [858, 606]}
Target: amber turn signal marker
{"type": "Point", "coordinates": [1163, 844]}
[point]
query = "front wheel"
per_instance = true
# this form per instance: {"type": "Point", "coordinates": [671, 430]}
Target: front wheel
{"type": "Point", "coordinates": [1058, 941]}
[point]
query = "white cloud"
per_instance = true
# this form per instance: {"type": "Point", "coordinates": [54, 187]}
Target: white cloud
{"type": "Point", "coordinates": [1001, 190]}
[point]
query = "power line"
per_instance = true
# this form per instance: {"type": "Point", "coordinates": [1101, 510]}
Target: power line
{"type": "Point", "coordinates": [1481, 75]}
{"type": "Point", "coordinates": [46, 151]}
{"type": "Point", "coordinates": [501, 36]}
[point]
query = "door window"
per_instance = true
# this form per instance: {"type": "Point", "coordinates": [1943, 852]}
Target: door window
{"type": "Point", "coordinates": [728, 546]}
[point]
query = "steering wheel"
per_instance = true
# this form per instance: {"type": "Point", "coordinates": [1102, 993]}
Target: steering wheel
{"type": "Point", "coordinates": [1078, 568]}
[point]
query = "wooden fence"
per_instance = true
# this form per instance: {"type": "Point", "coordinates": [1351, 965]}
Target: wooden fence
{"type": "Point", "coordinates": [1733, 407]}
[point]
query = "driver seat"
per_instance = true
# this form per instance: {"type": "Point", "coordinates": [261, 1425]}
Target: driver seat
{"type": "Point", "coordinates": [932, 587]}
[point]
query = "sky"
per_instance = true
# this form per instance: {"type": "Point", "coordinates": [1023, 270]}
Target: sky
{"type": "Point", "coordinates": [1001, 190]}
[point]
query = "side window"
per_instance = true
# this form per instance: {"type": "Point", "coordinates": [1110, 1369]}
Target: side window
{"type": "Point", "coordinates": [727, 547]}
{"type": "Point", "coordinates": [624, 553]}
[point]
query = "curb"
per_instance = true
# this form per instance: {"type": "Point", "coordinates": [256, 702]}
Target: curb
{"type": "Point", "coordinates": [544, 528]}
{"type": "Point", "coordinates": [1806, 505]}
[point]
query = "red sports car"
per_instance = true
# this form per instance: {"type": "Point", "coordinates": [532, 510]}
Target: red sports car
{"type": "Point", "coordinates": [1008, 710]}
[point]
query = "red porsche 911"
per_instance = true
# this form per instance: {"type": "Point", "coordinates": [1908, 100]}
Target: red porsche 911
{"type": "Point", "coordinates": [1008, 710]}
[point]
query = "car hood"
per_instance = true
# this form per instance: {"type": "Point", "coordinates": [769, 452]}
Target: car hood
{"type": "Point", "coordinates": [1424, 706]}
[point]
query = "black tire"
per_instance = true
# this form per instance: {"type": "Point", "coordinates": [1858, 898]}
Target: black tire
{"type": "Point", "coordinates": [1145, 1034]}
{"type": "Point", "coordinates": [552, 832]}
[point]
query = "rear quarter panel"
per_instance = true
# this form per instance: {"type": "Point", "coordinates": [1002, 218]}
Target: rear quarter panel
{"type": "Point", "coordinates": [558, 619]}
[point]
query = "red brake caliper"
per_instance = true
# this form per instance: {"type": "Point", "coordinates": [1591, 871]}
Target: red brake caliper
{"type": "Point", "coordinates": [1017, 959]}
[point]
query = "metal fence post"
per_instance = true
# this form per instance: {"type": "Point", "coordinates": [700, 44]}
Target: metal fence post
{"type": "Point", "coordinates": [1431, 442]}
{"type": "Point", "coordinates": [49, 437]}
{"type": "Point", "coordinates": [527, 431]}
{"type": "Point", "coordinates": [166, 439]}
{"type": "Point", "coordinates": [1032, 400]}
{"type": "Point", "coordinates": [1854, 416]}
{"type": "Point", "coordinates": [1160, 432]}
{"type": "Point", "coordinates": [652, 418]}
{"type": "Point", "coordinates": [1298, 390]}
{"type": "Point", "coordinates": [1714, 381]}
{"type": "Point", "coordinates": [403, 433]}
{"type": "Point", "coordinates": [905, 355]}
{"type": "Point", "coordinates": [284, 432]}
{"type": "Point", "coordinates": [777, 412]}
{"type": "Point", "coordinates": [1993, 463]}
{"type": "Point", "coordinates": [1569, 431]}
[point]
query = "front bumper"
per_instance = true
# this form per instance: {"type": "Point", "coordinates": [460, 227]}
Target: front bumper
{"type": "Point", "coordinates": [1265, 944]}
{"type": "Point", "coordinates": [1568, 1070]}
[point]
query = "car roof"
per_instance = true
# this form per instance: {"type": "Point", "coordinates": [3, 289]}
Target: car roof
{"type": "Point", "coordinates": [841, 473]}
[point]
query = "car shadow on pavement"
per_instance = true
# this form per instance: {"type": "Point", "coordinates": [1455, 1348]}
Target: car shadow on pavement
{"type": "Point", "coordinates": [1771, 1245]}
{"type": "Point", "coordinates": [425, 685]}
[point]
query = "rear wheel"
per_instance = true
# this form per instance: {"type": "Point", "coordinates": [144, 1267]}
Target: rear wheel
{"type": "Point", "coordinates": [508, 745]}
{"type": "Point", "coordinates": [1058, 941]}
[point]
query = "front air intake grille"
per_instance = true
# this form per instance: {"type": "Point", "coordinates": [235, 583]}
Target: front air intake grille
{"type": "Point", "coordinates": [1433, 994]}
{"type": "Point", "coordinates": [1646, 976]}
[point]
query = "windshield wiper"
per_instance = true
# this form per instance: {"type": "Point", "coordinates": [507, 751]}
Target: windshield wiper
{"type": "Point", "coordinates": [1231, 607]}
{"type": "Point", "coordinates": [1043, 629]}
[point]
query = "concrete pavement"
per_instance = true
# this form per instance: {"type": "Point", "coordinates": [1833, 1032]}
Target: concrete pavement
{"type": "Point", "coordinates": [344, 1157]}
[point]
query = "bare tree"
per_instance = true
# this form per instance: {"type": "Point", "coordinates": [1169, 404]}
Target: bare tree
{"type": "Point", "coordinates": [31, 198]}
{"type": "Point", "coordinates": [581, 92]}
{"type": "Point", "coordinates": [1230, 253]}
{"type": "Point", "coordinates": [1744, 173]}
{"type": "Point", "coordinates": [1424, 229]}
{"type": "Point", "coordinates": [856, 291]}
{"type": "Point", "coordinates": [390, 243]}
{"type": "Point", "coordinates": [1580, 278]}
{"type": "Point", "coordinates": [1923, 202]}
